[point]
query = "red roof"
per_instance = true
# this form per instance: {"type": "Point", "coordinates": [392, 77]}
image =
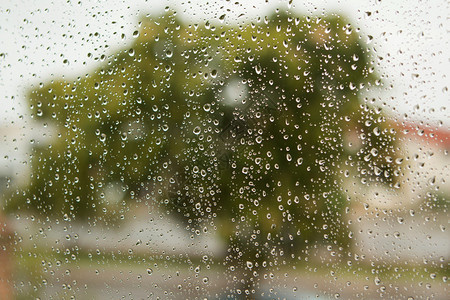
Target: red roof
{"type": "Point", "coordinates": [438, 136]}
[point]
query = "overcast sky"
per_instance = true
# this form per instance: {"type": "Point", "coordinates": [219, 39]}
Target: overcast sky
{"type": "Point", "coordinates": [38, 36]}
{"type": "Point", "coordinates": [46, 39]}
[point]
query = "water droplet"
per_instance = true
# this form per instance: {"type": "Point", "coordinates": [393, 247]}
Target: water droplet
{"type": "Point", "coordinates": [258, 69]}
{"type": "Point", "coordinates": [197, 130]}
{"type": "Point", "coordinates": [249, 264]}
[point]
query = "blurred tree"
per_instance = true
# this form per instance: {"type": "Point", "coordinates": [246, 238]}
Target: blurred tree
{"type": "Point", "coordinates": [243, 128]}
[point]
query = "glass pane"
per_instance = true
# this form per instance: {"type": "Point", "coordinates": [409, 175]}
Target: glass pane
{"type": "Point", "coordinates": [224, 150]}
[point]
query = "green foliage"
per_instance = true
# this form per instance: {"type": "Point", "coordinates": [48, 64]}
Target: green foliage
{"type": "Point", "coordinates": [245, 128]}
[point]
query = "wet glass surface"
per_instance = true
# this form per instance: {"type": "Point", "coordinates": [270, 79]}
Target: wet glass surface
{"type": "Point", "coordinates": [224, 150]}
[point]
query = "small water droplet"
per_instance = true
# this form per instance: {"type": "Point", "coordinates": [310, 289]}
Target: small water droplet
{"type": "Point", "coordinates": [249, 264]}
{"type": "Point", "coordinates": [258, 69]}
{"type": "Point", "coordinates": [197, 130]}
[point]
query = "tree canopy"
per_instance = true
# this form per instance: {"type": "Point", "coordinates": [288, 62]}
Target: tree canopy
{"type": "Point", "coordinates": [253, 125]}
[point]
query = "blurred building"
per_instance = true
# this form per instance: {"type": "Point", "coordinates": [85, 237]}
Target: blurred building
{"type": "Point", "coordinates": [408, 221]}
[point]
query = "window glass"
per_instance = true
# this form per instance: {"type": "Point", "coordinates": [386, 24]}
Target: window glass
{"type": "Point", "coordinates": [224, 150]}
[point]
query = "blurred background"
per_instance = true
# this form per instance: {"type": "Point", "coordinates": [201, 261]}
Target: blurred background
{"type": "Point", "coordinates": [262, 150]}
